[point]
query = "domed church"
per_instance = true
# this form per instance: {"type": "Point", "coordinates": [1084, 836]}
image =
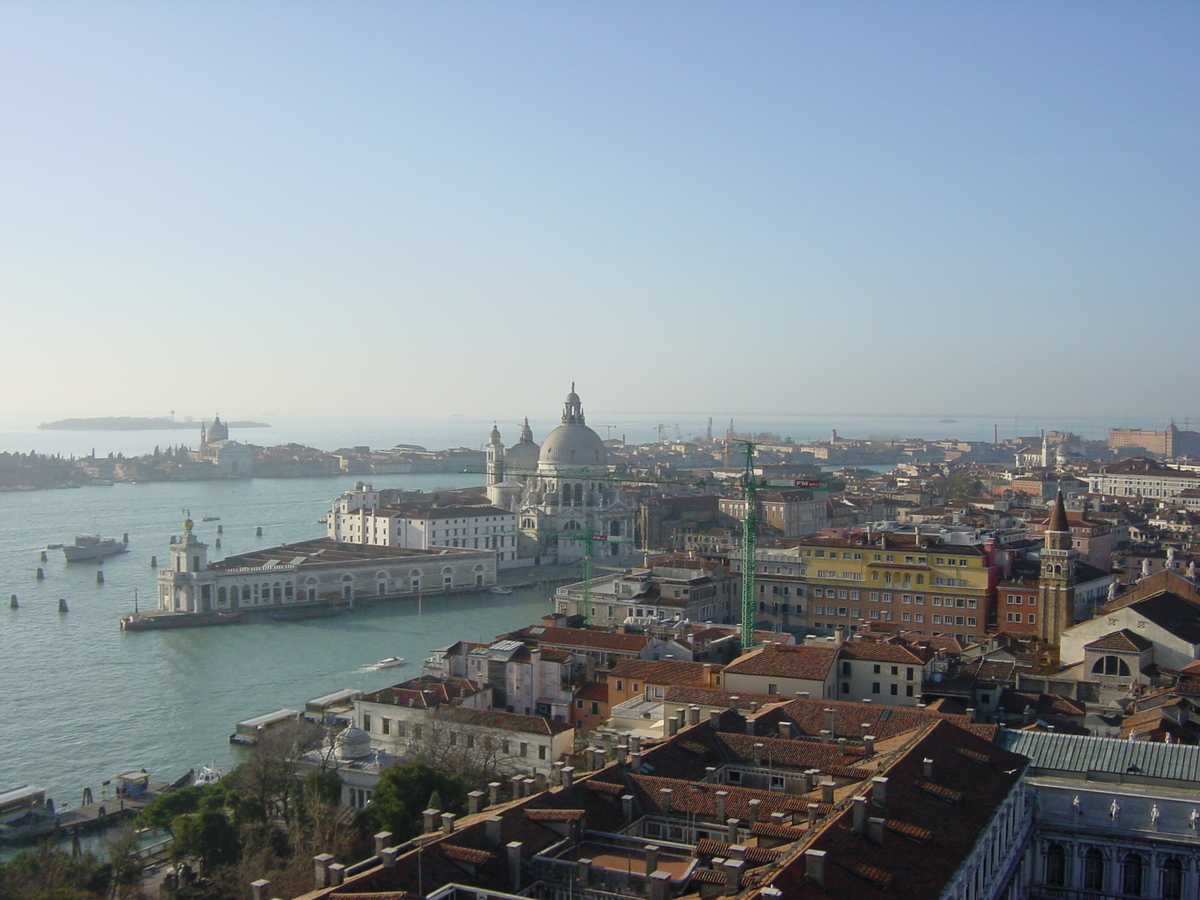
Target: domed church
{"type": "Point", "coordinates": [562, 491]}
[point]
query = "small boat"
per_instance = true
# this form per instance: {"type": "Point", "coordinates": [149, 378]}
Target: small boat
{"type": "Point", "coordinates": [211, 519]}
{"type": "Point", "coordinates": [207, 776]}
{"type": "Point", "coordinates": [390, 662]}
{"type": "Point", "coordinates": [500, 589]}
{"type": "Point", "coordinates": [92, 546]}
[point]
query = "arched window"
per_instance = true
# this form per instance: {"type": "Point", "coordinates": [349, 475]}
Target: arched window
{"type": "Point", "coordinates": [1110, 665]}
{"type": "Point", "coordinates": [278, 591]}
{"type": "Point", "coordinates": [566, 493]}
{"type": "Point", "coordinates": [579, 494]}
{"type": "Point", "coordinates": [1056, 866]}
{"type": "Point", "coordinates": [1093, 870]}
{"type": "Point", "coordinates": [1172, 879]}
{"type": "Point", "coordinates": [246, 592]}
{"type": "Point", "coordinates": [1131, 875]}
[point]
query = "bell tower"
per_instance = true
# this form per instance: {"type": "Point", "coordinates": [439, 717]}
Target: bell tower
{"type": "Point", "coordinates": [1057, 576]}
{"type": "Point", "coordinates": [495, 457]}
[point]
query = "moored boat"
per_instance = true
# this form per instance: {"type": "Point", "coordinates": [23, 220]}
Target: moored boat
{"type": "Point", "coordinates": [92, 546]}
{"type": "Point", "coordinates": [500, 589]}
{"type": "Point", "coordinates": [149, 622]}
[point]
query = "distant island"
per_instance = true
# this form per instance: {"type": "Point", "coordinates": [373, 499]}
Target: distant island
{"type": "Point", "coordinates": [135, 423]}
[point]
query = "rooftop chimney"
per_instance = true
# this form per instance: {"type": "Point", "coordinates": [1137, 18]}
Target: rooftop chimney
{"type": "Point", "coordinates": [731, 830]}
{"type": "Point", "coordinates": [382, 839]}
{"type": "Point", "coordinates": [754, 804]}
{"type": "Point", "coordinates": [813, 811]}
{"type": "Point", "coordinates": [869, 744]}
{"type": "Point", "coordinates": [879, 790]}
{"type": "Point", "coordinates": [627, 807]}
{"type": "Point", "coordinates": [651, 851]}
{"type": "Point", "coordinates": [721, 798]}
{"type": "Point", "coordinates": [321, 869]}
{"type": "Point", "coordinates": [785, 731]}
{"type": "Point", "coordinates": [495, 828]}
{"type": "Point", "coordinates": [431, 819]}
{"type": "Point", "coordinates": [875, 826]}
{"type": "Point", "coordinates": [733, 875]}
{"type": "Point", "coordinates": [448, 823]}
{"type": "Point", "coordinates": [928, 764]}
{"type": "Point", "coordinates": [664, 799]}
{"type": "Point", "coordinates": [860, 815]}
{"type": "Point", "coordinates": [514, 866]}
{"type": "Point", "coordinates": [814, 867]}
{"type": "Point", "coordinates": [258, 889]}
{"type": "Point", "coordinates": [831, 721]}
{"type": "Point", "coordinates": [827, 791]}
{"type": "Point", "coordinates": [475, 802]}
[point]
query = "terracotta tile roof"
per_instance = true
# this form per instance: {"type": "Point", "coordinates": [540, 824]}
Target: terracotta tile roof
{"type": "Point", "coordinates": [665, 671]}
{"type": "Point", "coordinates": [799, 755]}
{"type": "Point", "coordinates": [939, 835]}
{"type": "Point", "coordinates": [706, 847]}
{"type": "Point", "coordinates": [554, 815]}
{"type": "Point", "coordinates": [465, 854]}
{"type": "Point", "coordinates": [805, 663]}
{"type": "Point", "coordinates": [1123, 641]}
{"type": "Point", "coordinates": [489, 718]}
{"type": "Point", "coordinates": [849, 718]}
{"type": "Point", "coordinates": [886, 652]}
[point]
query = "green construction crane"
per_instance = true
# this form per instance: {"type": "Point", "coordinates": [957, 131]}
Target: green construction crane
{"type": "Point", "coordinates": [749, 548]}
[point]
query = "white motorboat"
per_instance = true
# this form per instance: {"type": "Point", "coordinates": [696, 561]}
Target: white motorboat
{"type": "Point", "coordinates": [390, 662]}
{"type": "Point", "coordinates": [208, 775]}
{"type": "Point", "coordinates": [499, 589]}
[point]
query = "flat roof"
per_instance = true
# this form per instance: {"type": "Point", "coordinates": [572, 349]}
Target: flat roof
{"type": "Point", "coordinates": [268, 718]}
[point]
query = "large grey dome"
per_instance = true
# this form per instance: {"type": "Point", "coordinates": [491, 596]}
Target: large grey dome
{"type": "Point", "coordinates": [572, 443]}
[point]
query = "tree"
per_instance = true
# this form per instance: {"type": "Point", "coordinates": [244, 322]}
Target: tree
{"type": "Point", "coordinates": [208, 837]}
{"type": "Point", "coordinates": [124, 861]}
{"type": "Point", "coordinates": [267, 779]}
{"type": "Point", "coordinates": [403, 794]}
{"type": "Point", "coordinates": [162, 811]}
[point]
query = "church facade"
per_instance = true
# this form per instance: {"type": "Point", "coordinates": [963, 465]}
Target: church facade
{"type": "Point", "coordinates": [565, 493]}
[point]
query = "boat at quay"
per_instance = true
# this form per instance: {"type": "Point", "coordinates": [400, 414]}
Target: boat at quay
{"type": "Point", "coordinates": [147, 622]}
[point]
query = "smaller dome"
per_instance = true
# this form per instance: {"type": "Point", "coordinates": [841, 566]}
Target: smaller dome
{"type": "Point", "coordinates": [353, 743]}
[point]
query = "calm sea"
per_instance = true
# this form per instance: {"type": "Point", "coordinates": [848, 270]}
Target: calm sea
{"type": "Point", "coordinates": [83, 701]}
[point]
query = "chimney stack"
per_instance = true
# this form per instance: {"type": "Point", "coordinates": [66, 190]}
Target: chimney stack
{"type": "Point", "coordinates": [651, 851]}
{"type": "Point", "coordinates": [693, 715]}
{"type": "Point", "coordinates": [827, 791]}
{"type": "Point", "coordinates": [258, 889]}
{"type": "Point", "coordinates": [514, 866]}
{"type": "Point", "coordinates": [869, 745]}
{"type": "Point", "coordinates": [928, 764]}
{"type": "Point", "coordinates": [754, 803]}
{"type": "Point", "coordinates": [860, 815]}
{"type": "Point", "coordinates": [831, 722]}
{"type": "Point", "coordinates": [879, 790]}
{"type": "Point", "coordinates": [568, 776]}
{"type": "Point", "coordinates": [495, 828]}
{"type": "Point", "coordinates": [758, 753]}
{"type": "Point", "coordinates": [813, 811]}
{"type": "Point", "coordinates": [627, 807]}
{"type": "Point", "coordinates": [733, 875]}
{"type": "Point", "coordinates": [876, 829]}
{"type": "Point", "coordinates": [494, 792]}
{"type": "Point", "coordinates": [431, 820]}
{"type": "Point", "coordinates": [475, 802]}
{"type": "Point", "coordinates": [321, 869]}
{"type": "Point", "coordinates": [814, 867]}
{"type": "Point", "coordinates": [731, 830]}
{"type": "Point", "coordinates": [383, 839]}
{"type": "Point", "coordinates": [785, 731]}
{"type": "Point", "coordinates": [664, 799]}
{"type": "Point", "coordinates": [448, 823]}
{"type": "Point", "coordinates": [337, 874]}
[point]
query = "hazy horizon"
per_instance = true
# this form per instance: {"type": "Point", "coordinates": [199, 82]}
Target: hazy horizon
{"type": "Point", "coordinates": [395, 209]}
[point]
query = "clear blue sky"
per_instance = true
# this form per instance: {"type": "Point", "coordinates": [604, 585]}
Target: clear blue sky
{"type": "Point", "coordinates": [406, 208]}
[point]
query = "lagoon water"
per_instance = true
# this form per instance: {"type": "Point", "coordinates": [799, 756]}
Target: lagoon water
{"type": "Point", "coordinates": [83, 701]}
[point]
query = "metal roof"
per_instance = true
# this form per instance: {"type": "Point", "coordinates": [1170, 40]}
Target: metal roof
{"type": "Point", "coordinates": [1084, 753]}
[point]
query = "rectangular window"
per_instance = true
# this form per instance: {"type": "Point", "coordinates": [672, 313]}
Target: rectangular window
{"type": "Point", "coordinates": [895, 690]}
{"type": "Point", "coordinates": [842, 611]}
{"type": "Point", "coordinates": [873, 614]}
{"type": "Point", "coordinates": [919, 599]}
{"type": "Point", "coordinates": [1032, 619]}
{"type": "Point", "coordinates": [908, 691]}
{"type": "Point", "coordinates": [524, 749]}
{"type": "Point", "coordinates": [541, 751]}
{"type": "Point", "coordinates": [818, 592]}
{"type": "Point", "coordinates": [874, 687]}
{"type": "Point", "coordinates": [937, 620]}
{"type": "Point", "coordinates": [366, 722]}
{"type": "Point", "coordinates": [905, 617]}
{"type": "Point", "coordinates": [895, 670]}
{"type": "Point", "coordinates": [906, 598]}
{"type": "Point", "coordinates": [876, 669]}
{"type": "Point", "coordinates": [818, 610]}
{"type": "Point", "coordinates": [772, 688]}
{"type": "Point", "coordinates": [385, 726]}
{"type": "Point", "coordinates": [854, 595]}
{"type": "Point", "coordinates": [874, 596]}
